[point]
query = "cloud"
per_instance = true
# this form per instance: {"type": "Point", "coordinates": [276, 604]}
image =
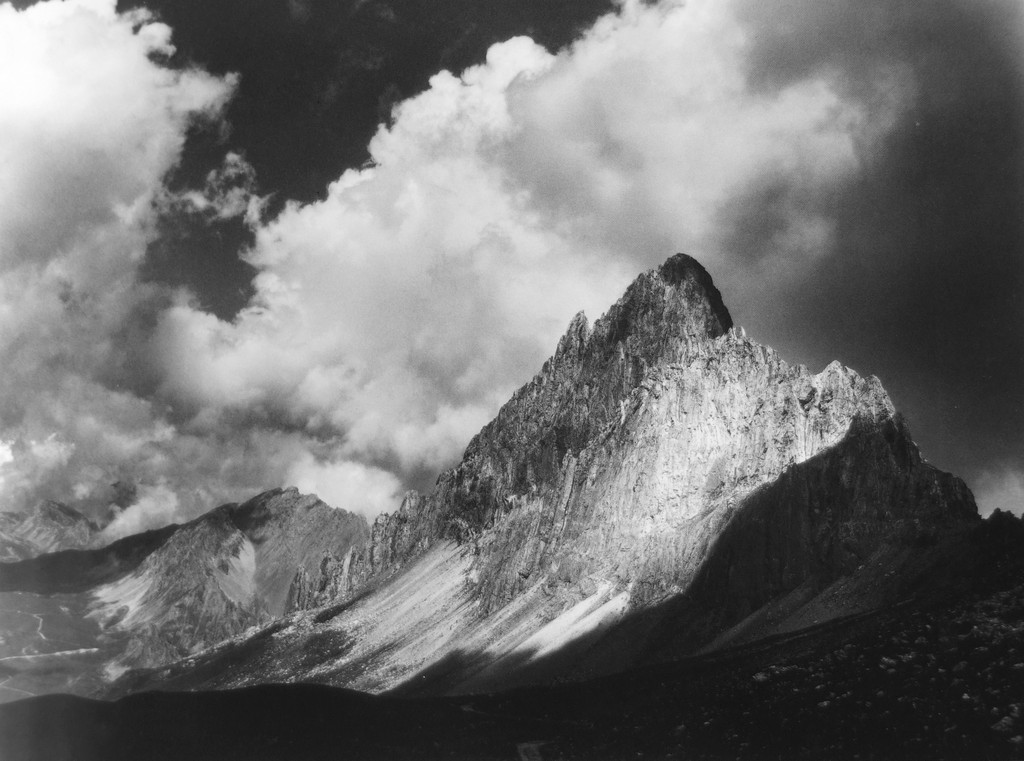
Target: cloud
{"type": "Point", "coordinates": [649, 137]}
{"type": "Point", "coordinates": [156, 506]}
{"type": "Point", "coordinates": [26, 464]}
{"type": "Point", "coordinates": [229, 192]}
{"type": "Point", "coordinates": [90, 124]}
{"type": "Point", "coordinates": [395, 316]}
{"type": "Point", "coordinates": [923, 283]}
{"type": "Point", "coordinates": [362, 489]}
{"type": "Point", "coordinates": [392, 318]}
{"type": "Point", "coordinates": [1001, 489]}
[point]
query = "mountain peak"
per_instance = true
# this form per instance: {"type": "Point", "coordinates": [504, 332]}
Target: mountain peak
{"type": "Point", "coordinates": [47, 527]}
{"type": "Point", "coordinates": [662, 311]}
{"type": "Point", "coordinates": [575, 339]}
{"type": "Point", "coordinates": [680, 268]}
{"type": "Point", "coordinates": [662, 480]}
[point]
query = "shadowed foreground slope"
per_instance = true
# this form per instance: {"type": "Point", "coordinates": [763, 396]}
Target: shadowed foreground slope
{"type": "Point", "coordinates": [933, 682]}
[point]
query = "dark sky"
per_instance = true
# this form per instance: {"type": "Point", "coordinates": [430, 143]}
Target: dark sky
{"type": "Point", "coordinates": [317, 77]}
{"type": "Point", "coordinates": [851, 173]}
{"type": "Point", "coordinates": [926, 289]}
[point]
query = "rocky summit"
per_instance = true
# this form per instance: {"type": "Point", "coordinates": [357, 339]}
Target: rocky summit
{"type": "Point", "coordinates": [664, 486]}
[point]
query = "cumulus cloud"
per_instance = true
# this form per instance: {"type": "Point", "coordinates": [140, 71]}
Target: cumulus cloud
{"type": "Point", "coordinates": [155, 506]}
{"type": "Point", "coordinates": [229, 192]}
{"type": "Point", "coordinates": [24, 464]}
{"type": "Point", "coordinates": [89, 122]}
{"type": "Point", "coordinates": [649, 136]}
{"type": "Point", "coordinates": [392, 318]}
{"type": "Point", "coordinates": [89, 126]}
{"type": "Point", "coordinates": [396, 315]}
{"type": "Point", "coordinates": [359, 488]}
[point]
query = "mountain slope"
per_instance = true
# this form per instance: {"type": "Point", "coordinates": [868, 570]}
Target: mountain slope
{"type": "Point", "coordinates": [78, 570]}
{"type": "Point", "coordinates": [659, 459]}
{"type": "Point", "coordinates": [936, 682]}
{"type": "Point", "coordinates": [48, 527]}
{"type": "Point", "coordinates": [157, 597]}
{"type": "Point", "coordinates": [222, 573]}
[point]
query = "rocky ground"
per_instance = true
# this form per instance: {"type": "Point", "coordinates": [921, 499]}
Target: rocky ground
{"type": "Point", "coordinates": [936, 682]}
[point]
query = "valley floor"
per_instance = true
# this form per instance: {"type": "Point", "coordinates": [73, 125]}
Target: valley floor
{"type": "Point", "coordinates": [48, 644]}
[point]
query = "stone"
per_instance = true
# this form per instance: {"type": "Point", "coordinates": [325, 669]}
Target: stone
{"type": "Point", "coordinates": [661, 454]}
{"type": "Point", "coordinates": [48, 527]}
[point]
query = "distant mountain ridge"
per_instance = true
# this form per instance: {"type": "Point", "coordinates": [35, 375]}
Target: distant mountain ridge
{"type": "Point", "coordinates": [156, 597]}
{"type": "Point", "coordinates": [662, 485]}
{"type": "Point", "coordinates": [221, 574]}
{"type": "Point", "coordinates": [48, 527]}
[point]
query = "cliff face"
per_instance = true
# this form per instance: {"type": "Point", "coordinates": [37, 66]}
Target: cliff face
{"type": "Point", "coordinates": [638, 503]}
{"type": "Point", "coordinates": [220, 574]}
{"type": "Point", "coordinates": [392, 540]}
{"type": "Point", "coordinates": [662, 485]}
{"type": "Point", "coordinates": [823, 520]}
{"type": "Point", "coordinates": [626, 455]}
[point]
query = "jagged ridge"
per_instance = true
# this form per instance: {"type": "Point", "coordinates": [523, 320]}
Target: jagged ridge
{"type": "Point", "coordinates": [548, 467]}
{"type": "Point", "coordinates": [222, 573]}
{"type": "Point", "coordinates": [608, 491]}
{"type": "Point", "coordinates": [48, 527]}
{"type": "Point", "coordinates": [153, 598]}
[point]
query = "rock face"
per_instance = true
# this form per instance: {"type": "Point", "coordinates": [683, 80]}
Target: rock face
{"type": "Point", "coordinates": [826, 517]}
{"type": "Point", "coordinates": [77, 616]}
{"type": "Point", "coordinates": [664, 484]}
{"type": "Point", "coordinates": [661, 468]}
{"type": "Point", "coordinates": [351, 566]}
{"type": "Point", "coordinates": [630, 452]}
{"type": "Point", "coordinates": [940, 682]}
{"type": "Point", "coordinates": [48, 527]}
{"type": "Point", "coordinates": [222, 573]}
